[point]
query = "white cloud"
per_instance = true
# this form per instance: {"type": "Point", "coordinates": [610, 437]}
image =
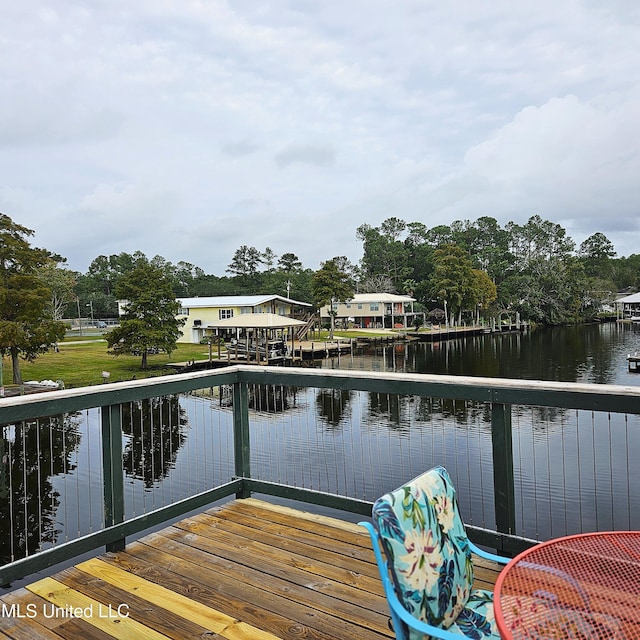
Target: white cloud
{"type": "Point", "coordinates": [572, 159]}
{"type": "Point", "coordinates": [320, 155]}
{"type": "Point", "coordinates": [187, 129]}
{"type": "Point", "coordinates": [239, 148]}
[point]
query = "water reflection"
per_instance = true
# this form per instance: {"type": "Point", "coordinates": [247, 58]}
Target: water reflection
{"type": "Point", "coordinates": [157, 430]}
{"type": "Point", "coordinates": [272, 398]}
{"type": "Point", "coordinates": [263, 397]}
{"type": "Point", "coordinates": [592, 353]}
{"type": "Point", "coordinates": [573, 469]}
{"type": "Point", "coordinates": [358, 443]}
{"type": "Point", "coordinates": [333, 405]}
{"type": "Point", "coordinates": [32, 454]}
{"type": "Point", "coordinates": [388, 406]}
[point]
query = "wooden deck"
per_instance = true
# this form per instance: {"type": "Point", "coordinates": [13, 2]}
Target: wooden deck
{"type": "Point", "coordinates": [247, 570]}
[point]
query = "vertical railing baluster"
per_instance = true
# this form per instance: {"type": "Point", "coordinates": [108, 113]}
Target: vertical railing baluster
{"type": "Point", "coordinates": [241, 441]}
{"type": "Point", "coordinates": [503, 480]}
{"type": "Point", "coordinates": [113, 472]}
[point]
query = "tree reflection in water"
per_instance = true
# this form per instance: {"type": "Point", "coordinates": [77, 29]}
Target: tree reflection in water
{"type": "Point", "coordinates": [333, 405]}
{"type": "Point", "coordinates": [156, 428]}
{"type": "Point", "coordinates": [272, 398]}
{"type": "Point", "coordinates": [32, 454]}
{"type": "Point", "coordinates": [263, 397]}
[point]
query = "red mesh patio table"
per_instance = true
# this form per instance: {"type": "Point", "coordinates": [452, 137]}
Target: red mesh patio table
{"type": "Point", "coordinates": [583, 586]}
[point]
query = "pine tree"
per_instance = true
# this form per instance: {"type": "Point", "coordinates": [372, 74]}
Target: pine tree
{"type": "Point", "coordinates": [27, 327]}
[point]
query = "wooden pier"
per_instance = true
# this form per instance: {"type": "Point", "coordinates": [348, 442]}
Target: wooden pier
{"type": "Point", "coordinates": [448, 333]}
{"type": "Point", "coordinates": [305, 350]}
{"type": "Point", "coordinates": [318, 349]}
{"type": "Point", "coordinates": [247, 570]}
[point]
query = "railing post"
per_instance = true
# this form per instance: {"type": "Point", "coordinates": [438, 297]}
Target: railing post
{"type": "Point", "coordinates": [113, 470]}
{"type": "Point", "coordinates": [503, 481]}
{"type": "Point", "coordinates": [241, 440]}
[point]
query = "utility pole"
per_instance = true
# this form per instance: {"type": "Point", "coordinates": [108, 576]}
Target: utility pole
{"type": "Point", "coordinates": [79, 316]}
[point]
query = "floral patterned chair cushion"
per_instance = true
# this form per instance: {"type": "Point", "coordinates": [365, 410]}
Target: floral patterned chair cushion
{"type": "Point", "coordinates": [428, 553]}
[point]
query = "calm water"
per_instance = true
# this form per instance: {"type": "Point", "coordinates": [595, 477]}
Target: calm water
{"type": "Point", "coordinates": [593, 353]}
{"type": "Point", "coordinates": [574, 471]}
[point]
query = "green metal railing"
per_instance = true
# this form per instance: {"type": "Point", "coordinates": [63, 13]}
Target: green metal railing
{"type": "Point", "coordinates": [498, 394]}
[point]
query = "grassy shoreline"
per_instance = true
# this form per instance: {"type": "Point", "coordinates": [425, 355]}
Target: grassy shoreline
{"type": "Point", "coordinates": [81, 360]}
{"type": "Point", "coordinates": [81, 363]}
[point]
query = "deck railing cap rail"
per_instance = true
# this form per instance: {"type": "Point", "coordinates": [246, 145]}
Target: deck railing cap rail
{"type": "Point", "coordinates": [573, 395]}
{"type": "Point", "coordinates": [598, 397]}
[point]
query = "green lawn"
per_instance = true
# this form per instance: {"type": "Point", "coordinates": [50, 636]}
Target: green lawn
{"type": "Point", "coordinates": [82, 363]}
{"type": "Point", "coordinates": [82, 359]}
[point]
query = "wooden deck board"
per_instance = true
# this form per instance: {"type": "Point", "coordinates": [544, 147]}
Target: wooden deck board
{"type": "Point", "coordinates": [248, 570]}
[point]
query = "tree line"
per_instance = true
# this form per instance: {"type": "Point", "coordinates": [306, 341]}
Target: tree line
{"type": "Point", "coordinates": [467, 269]}
{"type": "Point", "coordinates": [534, 269]}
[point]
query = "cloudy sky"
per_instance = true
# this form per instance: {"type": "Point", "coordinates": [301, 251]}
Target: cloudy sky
{"type": "Point", "coordinates": [189, 128]}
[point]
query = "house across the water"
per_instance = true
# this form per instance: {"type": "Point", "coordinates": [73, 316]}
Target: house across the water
{"type": "Point", "coordinates": [201, 314]}
{"type": "Point", "coordinates": [629, 306]}
{"type": "Point", "coordinates": [373, 311]}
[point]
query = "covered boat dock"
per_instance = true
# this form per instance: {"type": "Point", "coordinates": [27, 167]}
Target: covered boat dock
{"type": "Point", "coordinates": [261, 338]}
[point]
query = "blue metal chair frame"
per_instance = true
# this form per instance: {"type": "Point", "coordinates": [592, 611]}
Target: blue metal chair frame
{"type": "Point", "coordinates": [399, 614]}
{"type": "Point", "coordinates": [401, 618]}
